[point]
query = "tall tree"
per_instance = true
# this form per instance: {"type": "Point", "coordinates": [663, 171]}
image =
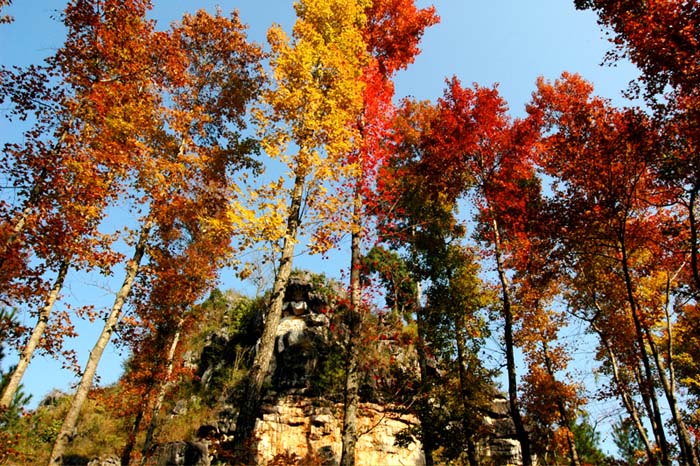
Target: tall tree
{"type": "Point", "coordinates": [207, 73]}
{"type": "Point", "coordinates": [314, 99]}
{"type": "Point", "coordinates": [661, 39]}
{"type": "Point", "coordinates": [483, 148]}
{"type": "Point", "coordinates": [550, 396]}
{"type": "Point", "coordinates": [623, 220]}
{"type": "Point", "coordinates": [420, 220]}
{"type": "Point", "coordinates": [392, 32]}
{"type": "Point", "coordinates": [406, 207]}
{"type": "Point", "coordinates": [71, 165]}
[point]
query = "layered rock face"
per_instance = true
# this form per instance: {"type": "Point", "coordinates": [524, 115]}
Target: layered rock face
{"type": "Point", "coordinates": [502, 447]}
{"type": "Point", "coordinates": [299, 425]}
{"type": "Point", "coordinates": [299, 428]}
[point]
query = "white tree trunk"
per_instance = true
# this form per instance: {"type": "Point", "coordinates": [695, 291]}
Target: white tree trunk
{"type": "Point", "coordinates": [111, 322]}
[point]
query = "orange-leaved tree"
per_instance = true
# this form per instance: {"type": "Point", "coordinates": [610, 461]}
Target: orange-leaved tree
{"type": "Point", "coordinates": [217, 74]}
{"type": "Point", "coordinates": [489, 155]}
{"type": "Point", "coordinates": [204, 75]}
{"type": "Point", "coordinates": [86, 102]}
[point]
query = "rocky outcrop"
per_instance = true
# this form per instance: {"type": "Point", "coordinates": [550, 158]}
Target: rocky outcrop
{"type": "Point", "coordinates": [301, 343]}
{"type": "Point", "coordinates": [501, 445]}
{"type": "Point", "coordinates": [181, 454]}
{"type": "Point", "coordinates": [302, 424]}
{"type": "Point", "coordinates": [306, 428]}
{"type": "Point", "coordinates": [109, 460]}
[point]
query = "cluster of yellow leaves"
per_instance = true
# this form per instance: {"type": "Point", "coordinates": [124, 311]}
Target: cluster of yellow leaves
{"type": "Point", "coordinates": [306, 123]}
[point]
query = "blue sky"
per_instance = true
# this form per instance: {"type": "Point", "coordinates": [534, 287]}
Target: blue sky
{"type": "Point", "coordinates": [509, 42]}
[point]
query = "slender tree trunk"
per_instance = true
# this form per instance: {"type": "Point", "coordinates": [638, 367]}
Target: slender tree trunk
{"type": "Point", "coordinates": [131, 441]}
{"type": "Point", "coordinates": [427, 440]}
{"type": "Point", "coordinates": [651, 409]}
{"type": "Point", "coordinates": [170, 361]}
{"type": "Point", "coordinates": [668, 384]}
{"type": "Point", "coordinates": [253, 388]}
{"type": "Point", "coordinates": [28, 351]}
{"type": "Point", "coordinates": [425, 382]}
{"type": "Point", "coordinates": [691, 453]}
{"type": "Point", "coordinates": [352, 374]}
{"type": "Point", "coordinates": [627, 400]}
{"type": "Point", "coordinates": [520, 430]}
{"type": "Point", "coordinates": [648, 386]}
{"type": "Point", "coordinates": [111, 322]}
{"type": "Point", "coordinates": [564, 414]}
{"type": "Point", "coordinates": [693, 221]}
{"type": "Point", "coordinates": [462, 364]}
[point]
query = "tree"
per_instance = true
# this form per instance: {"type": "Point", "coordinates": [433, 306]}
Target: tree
{"type": "Point", "coordinates": [620, 221]}
{"type": "Point", "coordinates": [420, 220]}
{"type": "Point", "coordinates": [182, 173]}
{"type": "Point", "coordinates": [490, 156]}
{"type": "Point", "coordinates": [551, 398]}
{"type": "Point", "coordinates": [588, 441]}
{"type": "Point", "coordinates": [660, 38]}
{"type": "Point", "coordinates": [315, 97]}
{"type": "Point", "coordinates": [71, 165]}
{"type": "Point", "coordinates": [628, 442]}
{"type": "Point", "coordinates": [392, 31]}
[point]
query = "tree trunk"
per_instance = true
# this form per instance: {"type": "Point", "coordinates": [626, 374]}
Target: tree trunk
{"type": "Point", "coordinates": [693, 221]}
{"type": "Point", "coordinates": [425, 383]}
{"type": "Point", "coordinates": [564, 415]}
{"type": "Point", "coordinates": [352, 375]}
{"type": "Point", "coordinates": [648, 386]}
{"type": "Point", "coordinates": [131, 441]}
{"type": "Point", "coordinates": [520, 430]}
{"type": "Point", "coordinates": [170, 362]}
{"type": "Point", "coordinates": [462, 369]}
{"type": "Point", "coordinates": [111, 322]}
{"type": "Point", "coordinates": [28, 351]}
{"type": "Point", "coordinates": [667, 382]}
{"type": "Point", "coordinates": [627, 400]}
{"type": "Point", "coordinates": [253, 388]}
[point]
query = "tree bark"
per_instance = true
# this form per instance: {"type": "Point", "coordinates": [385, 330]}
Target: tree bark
{"type": "Point", "coordinates": [352, 375]}
{"type": "Point", "coordinates": [170, 363]}
{"type": "Point", "coordinates": [425, 382]}
{"type": "Point", "coordinates": [627, 400]}
{"type": "Point", "coordinates": [131, 441]}
{"type": "Point", "coordinates": [667, 382]}
{"type": "Point", "coordinates": [460, 325]}
{"type": "Point", "coordinates": [693, 221]}
{"type": "Point", "coordinates": [520, 430]}
{"type": "Point", "coordinates": [648, 386]}
{"type": "Point", "coordinates": [111, 322]}
{"type": "Point", "coordinates": [250, 403]}
{"type": "Point", "coordinates": [35, 338]}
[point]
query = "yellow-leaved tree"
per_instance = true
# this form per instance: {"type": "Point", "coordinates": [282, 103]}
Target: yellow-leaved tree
{"type": "Point", "coordinates": [305, 120]}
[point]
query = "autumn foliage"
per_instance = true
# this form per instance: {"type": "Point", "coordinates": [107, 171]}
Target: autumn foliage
{"type": "Point", "coordinates": [480, 242]}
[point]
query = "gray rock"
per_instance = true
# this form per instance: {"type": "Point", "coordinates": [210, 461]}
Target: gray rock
{"type": "Point", "coordinates": [52, 398]}
{"type": "Point", "coordinates": [182, 454]}
{"type": "Point", "coordinates": [105, 461]}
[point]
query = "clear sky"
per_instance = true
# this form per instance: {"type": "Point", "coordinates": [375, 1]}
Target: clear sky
{"type": "Point", "coordinates": [509, 42]}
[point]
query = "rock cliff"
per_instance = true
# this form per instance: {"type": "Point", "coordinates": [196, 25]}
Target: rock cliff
{"type": "Point", "coordinates": [300, 424]}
